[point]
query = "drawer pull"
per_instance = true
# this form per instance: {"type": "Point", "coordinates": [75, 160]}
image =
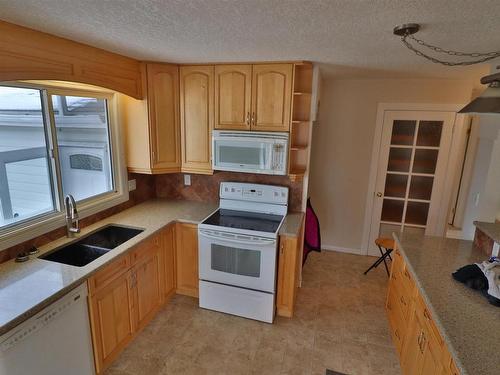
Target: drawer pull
{"type": "Point", "coordinates": [403, 300]}
{"type": "Point", "coordinates": [396, 333]}
{"type": "Point", "coordinates": [426, 314]}
{"type": "Point", "coordinates": [407, 274]}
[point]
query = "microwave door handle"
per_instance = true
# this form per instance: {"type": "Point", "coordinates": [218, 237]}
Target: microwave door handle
{"type": "Point", "coordinates": [250, 241]}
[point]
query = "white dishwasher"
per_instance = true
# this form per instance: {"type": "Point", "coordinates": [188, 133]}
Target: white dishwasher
{"type": "Point", "coordinates": [56, 341]}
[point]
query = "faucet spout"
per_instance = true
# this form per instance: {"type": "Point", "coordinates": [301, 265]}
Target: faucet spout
{"type": "Point", "coordinates": [72, 218]}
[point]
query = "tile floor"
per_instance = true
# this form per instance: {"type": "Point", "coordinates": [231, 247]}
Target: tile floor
{"type": "Point", "coordinates": [340, 324]}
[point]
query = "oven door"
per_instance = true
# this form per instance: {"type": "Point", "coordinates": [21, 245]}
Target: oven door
{"type": "Point", "coordinates": [237, 260]}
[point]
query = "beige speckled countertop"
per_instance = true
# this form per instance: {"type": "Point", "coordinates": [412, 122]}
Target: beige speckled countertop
{"type": "Point", "coordinates": [492, 230]}
{"type": "Point", "coordinates": [26, 288]}
{"type": "Point", "coordinates": [291, 224]}
{"type": "Point", "coordinates": [469, 324]}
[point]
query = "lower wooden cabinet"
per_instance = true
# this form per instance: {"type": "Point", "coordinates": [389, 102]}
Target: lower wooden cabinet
{"type": "Point", "coordinates": [123, 297]}
{"type": "Point", "coordinates": [146, 288]}
{"type": "Point", "coordinates": [111, 319]}
{"type": "Point", "coordinates": [289, 266]}
{"type": "Point", "coordinates": [417, 339]}
{"type": "Point", "coordinates": [187, 259]}
{"type": "Point", "coordinates": [168, 253]}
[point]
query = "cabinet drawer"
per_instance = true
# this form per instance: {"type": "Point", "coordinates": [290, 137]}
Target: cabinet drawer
{"type": "Point", "coordinates": [407, 281]}
{"type": "Point", "coordinates": [396, 319]}
{"type": "Point", "coordinates": [429, 322]}
{"type": "Point", "coordinates": [145, 249]}
{"type": "Point", "coordinates": [109, 273]}
{"type": "Point", "coordinates": [398, 262]}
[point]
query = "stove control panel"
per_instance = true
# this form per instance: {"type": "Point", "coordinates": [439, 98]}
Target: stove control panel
{"type": "Point", "coordinates": [254, 192]}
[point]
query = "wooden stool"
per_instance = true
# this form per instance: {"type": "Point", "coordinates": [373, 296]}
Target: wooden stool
{"type": "Point", "coordinates": [388, 245]}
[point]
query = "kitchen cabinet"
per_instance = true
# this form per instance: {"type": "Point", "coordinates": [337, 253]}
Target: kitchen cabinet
{"type": "Point", "coordinates": [125, 295]}
{"type": "Point", "coordinates": [168, 253]}
{"type": "Point", "coordinates": [289, 267]}
{"type": "Point", "coordinates": [271, 97]}
{"type": "Point", "coordinates": [186, 256]}
{"type": "Point", "coordinates": [197, 118]}
{"type": "Point", "coordinates": [146, 283]}
{"type": "Point", "coordinates": [418, 341]}
{"type": "Point", "coordinates": [111, 319]}
{"type": "Point", "coordinates": [233, 91]}
{"type": "Point", "coordinates": [153, 125]}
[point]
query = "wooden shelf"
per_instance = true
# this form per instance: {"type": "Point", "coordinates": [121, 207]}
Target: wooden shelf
{"type": "Point", "coordinates": [302, 93]}
{"type": "Point", "coordinates": [296, 174]}
{"type": "Point", "coordinates": [298, 147]}
{"type": "Point", "coordinates": [300, 122]}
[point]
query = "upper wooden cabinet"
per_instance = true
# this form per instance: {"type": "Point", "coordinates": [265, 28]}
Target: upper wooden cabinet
{"type": "Point", "coordinates": [271, 97]}
{"type": "Point", "coordinates": [197, 117]}
{"type": "Point", "coordinates": [153, 126]}
{"type": "Point", "coordinates": [233, 91]}
{"type": "Point", "coordinates": [253, 97]}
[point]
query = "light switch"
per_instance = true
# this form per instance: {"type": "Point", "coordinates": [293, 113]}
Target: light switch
{"type": "Point", "coordinates": [187, 180]}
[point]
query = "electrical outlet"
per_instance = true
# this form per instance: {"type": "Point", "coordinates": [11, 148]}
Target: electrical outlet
{"type": "Point", "coordinates": [132, 185]}
{"type": "Point", "coordinates": [187, 180]}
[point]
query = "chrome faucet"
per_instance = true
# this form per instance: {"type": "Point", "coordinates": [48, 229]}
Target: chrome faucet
{"type": "Point", "coordinates": [71, 216]}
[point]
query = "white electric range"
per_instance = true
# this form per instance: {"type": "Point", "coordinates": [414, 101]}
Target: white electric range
{"type": "Point", "coordinates": [238, 246]}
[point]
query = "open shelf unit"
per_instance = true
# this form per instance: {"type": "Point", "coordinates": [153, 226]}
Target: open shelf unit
{"type": "Point", "coordinates": [300, 127]}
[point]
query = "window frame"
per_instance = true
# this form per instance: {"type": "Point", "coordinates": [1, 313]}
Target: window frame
{"type": "Point", "coordinates": [38, 225]}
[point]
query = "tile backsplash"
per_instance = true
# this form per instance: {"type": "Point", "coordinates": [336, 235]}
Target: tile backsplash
{"type": "Point", "coordinates": [202, 188]}
{"type": "Point", "coordinates": [206, 187]}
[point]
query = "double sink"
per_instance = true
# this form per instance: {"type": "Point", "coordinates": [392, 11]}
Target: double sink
{"type": "Point", "coordinates": [90, 247]}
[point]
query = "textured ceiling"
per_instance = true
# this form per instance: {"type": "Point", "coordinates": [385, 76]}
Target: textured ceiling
{"type": "Point", "coordinates": [351, 38]}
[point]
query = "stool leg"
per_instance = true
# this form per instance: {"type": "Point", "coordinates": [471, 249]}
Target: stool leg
{"type": "Point", "coordinates": [380, 260]}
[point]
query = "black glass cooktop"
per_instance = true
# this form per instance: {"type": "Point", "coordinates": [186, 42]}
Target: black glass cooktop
{"type": "Point", "coordinates": [245, 220]}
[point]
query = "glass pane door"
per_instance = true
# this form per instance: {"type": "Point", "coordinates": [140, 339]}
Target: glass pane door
{"type": "Point", "coordinates": [412, 161]}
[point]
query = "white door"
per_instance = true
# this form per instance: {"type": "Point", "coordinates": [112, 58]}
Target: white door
{"type": "Point", "coordinates": [414, 152]}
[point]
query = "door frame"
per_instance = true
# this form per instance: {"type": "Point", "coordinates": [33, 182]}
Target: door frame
{"type": "Point", "coordinates": [377, 140]}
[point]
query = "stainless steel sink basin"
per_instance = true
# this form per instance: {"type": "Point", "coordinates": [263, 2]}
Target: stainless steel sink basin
{"type": "Point", "coordinates": [90, 247]}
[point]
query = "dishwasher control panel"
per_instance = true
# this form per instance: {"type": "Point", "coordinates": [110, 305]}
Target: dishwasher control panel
{"type": "Point", "coordinates": [40, 320]}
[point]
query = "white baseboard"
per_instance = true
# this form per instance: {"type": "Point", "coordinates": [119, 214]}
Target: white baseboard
{"type": "Point", "coordinates": [342, 249]}
{"type": "Point", "coordinates": [455, 233]}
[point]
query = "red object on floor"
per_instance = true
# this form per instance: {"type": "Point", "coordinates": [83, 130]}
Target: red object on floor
{"type": "Point", "coordinates": [312, 234]}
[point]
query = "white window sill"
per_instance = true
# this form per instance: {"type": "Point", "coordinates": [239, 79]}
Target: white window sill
{"type": "Point", "coordinates": [50, 222]}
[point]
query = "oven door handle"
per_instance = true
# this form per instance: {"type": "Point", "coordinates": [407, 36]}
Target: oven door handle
{"type": "Point", "coordinates": [251, 241]}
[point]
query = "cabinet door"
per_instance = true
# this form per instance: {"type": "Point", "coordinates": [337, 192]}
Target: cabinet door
{"type": "Point", "coordinates": [232, 96]}
{"type": "Point", "coordinates": [412, 356]}
{"type": "Point", "coordinates": [197, 117]}
{"type": "Point", "coordinates": [431, 363]}
{"type": "Point", "coordinates": [287, 274]}
{"type": "Point", "coordinates": [111, 320]}
{"type": "Point", "coordinates": [168, 252]}
{"type": "Point", "coordinates": [147, 286]}
{"type": "Point", "coordinates": [187, 259]}
{"type": "Point", "coordinates": [163, 105]}
{"type": "Point", "coordinates": [271, 97]}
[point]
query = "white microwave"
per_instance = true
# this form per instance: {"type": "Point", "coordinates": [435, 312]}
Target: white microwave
{"type": "Point", "coordinates": [251, 152]}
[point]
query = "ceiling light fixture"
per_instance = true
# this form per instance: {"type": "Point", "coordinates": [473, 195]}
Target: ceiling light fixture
{"type": "Point", "coordinates": [406, 31]}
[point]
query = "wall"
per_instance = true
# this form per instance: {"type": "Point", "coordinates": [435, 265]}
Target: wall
{"type": "Point", "coordinates": [206, 188]}
{"type": "Point", "coordinates": [343, 141]}
{"type": "Point", "coordinates": [145, 190]}
{"type": "Point", "coordinates": [483, 198]}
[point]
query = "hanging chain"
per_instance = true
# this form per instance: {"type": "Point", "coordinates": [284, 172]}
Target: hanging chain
{"type": "Point", "coordinates": [483, 56]}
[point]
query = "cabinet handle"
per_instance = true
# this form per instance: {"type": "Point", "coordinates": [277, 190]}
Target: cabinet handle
{"type": "Point", "coordinates": [426, 314]}
{"type": "Point", "coordinates": [407, 274]}
{"type": "Point", "coordinates": [281, 248]}
{"type": "Point", "coordinates": [397, 334]}
{"type": "Point", "coordinates": [253, 118]}
{"type": "Point", "coordinates": [422, 343]}
{"type": "Point", "coordinates": [419, 339]}
{"type": "Point", "coordinates": [248, 118]}
{"type": "Point", "coordinates": [403, 300]}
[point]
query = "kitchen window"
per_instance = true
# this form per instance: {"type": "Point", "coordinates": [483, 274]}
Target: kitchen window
{"type": "Point", "coordinates": [55, 141]}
